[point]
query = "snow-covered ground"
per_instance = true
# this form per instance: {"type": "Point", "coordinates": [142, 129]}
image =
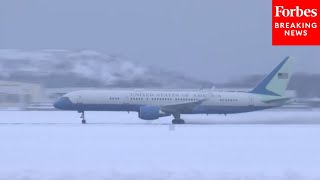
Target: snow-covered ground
{"type": "Point", "coordinates": [258, 145]}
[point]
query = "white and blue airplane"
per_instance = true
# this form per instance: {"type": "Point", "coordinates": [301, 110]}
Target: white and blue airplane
{"type": "Point", "coordinates": [153, 104]}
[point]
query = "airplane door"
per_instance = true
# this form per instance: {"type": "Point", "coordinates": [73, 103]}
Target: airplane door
{"type": "Point", "coordinates": [79, 103]}
{"type": "Point", "coordinates": [125, 100]}
{"type": "Point", "coordinates": [251, 100]}
{"type": "Point", "coordinates": [79, 100]}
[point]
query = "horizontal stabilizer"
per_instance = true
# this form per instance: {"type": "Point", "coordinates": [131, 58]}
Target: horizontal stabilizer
{"type": "Point", "coordinates": [283, 100]}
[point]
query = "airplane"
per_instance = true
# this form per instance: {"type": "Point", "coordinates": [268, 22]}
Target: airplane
{"type": "Point", "coordinates": [154, 104]}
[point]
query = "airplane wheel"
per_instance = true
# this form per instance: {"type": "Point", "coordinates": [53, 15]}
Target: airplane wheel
{"type": "Point", "coordinates": [178, 121]}
{"type": "Point", "coordinates": [182, 121]}
{"type": "Point", "coordinates": [83, 121]}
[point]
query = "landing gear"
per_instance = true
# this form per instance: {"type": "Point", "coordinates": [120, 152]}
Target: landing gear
{"type": "Point", "coordinates": [83, 118]}
{"type": "Point", "coordinates": [177, 119]}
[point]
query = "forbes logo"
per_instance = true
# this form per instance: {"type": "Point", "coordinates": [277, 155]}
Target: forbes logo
{"type": "Point", "coordinates": [296, 12]}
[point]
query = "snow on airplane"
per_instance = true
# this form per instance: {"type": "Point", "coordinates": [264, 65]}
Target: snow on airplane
{"type": "Point", "coordinates": [153, 104]}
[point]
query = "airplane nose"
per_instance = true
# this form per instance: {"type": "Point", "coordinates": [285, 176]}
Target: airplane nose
{"type": "Point", "coordinates": [63, 103]}
{"type": "Point", "coordinates": [57, 104]}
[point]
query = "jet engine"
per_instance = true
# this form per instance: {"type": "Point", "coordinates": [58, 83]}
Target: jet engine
{"type": "Point", "coordinates": [151, 113]}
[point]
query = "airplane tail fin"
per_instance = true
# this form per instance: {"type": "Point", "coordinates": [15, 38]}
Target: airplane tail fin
{"type": "Point", "coordinates": [277, 81]}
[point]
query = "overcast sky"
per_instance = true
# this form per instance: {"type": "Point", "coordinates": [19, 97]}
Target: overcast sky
{"type": "Point", "coordinates": [212, 40]}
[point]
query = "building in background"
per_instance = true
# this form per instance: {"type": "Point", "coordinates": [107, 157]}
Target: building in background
{"type": "Point", "coordinates": [19, 94]}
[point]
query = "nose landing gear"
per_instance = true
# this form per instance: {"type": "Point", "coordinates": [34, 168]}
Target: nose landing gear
{"type": "Point", "coordinates": [83, 118]}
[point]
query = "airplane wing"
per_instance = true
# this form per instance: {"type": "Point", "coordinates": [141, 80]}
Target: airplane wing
{"type": "Point", "coordinates": [182, 107]}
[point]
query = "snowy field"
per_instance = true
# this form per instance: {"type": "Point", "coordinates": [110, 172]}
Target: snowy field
{"type": "Point", "coordinates": [259, 145]}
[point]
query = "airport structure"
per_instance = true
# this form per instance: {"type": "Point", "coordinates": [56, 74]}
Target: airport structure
{"type": "Point", "coordinates": [30, 96]}
{"type": "Point", "coordinates": [19, 94]}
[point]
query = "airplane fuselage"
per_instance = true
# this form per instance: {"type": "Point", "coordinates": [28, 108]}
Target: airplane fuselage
{"type": "Point", "coordinates": [212, 102]}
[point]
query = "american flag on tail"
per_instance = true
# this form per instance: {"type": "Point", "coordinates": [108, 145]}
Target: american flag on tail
{"type": "Point", "coordinates": [283, 76]}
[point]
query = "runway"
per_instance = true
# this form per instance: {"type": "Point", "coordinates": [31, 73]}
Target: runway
{"type": "Point", "coordinates": [54, 145]}
{"type": "Point", "coordinates": [124, 118]}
